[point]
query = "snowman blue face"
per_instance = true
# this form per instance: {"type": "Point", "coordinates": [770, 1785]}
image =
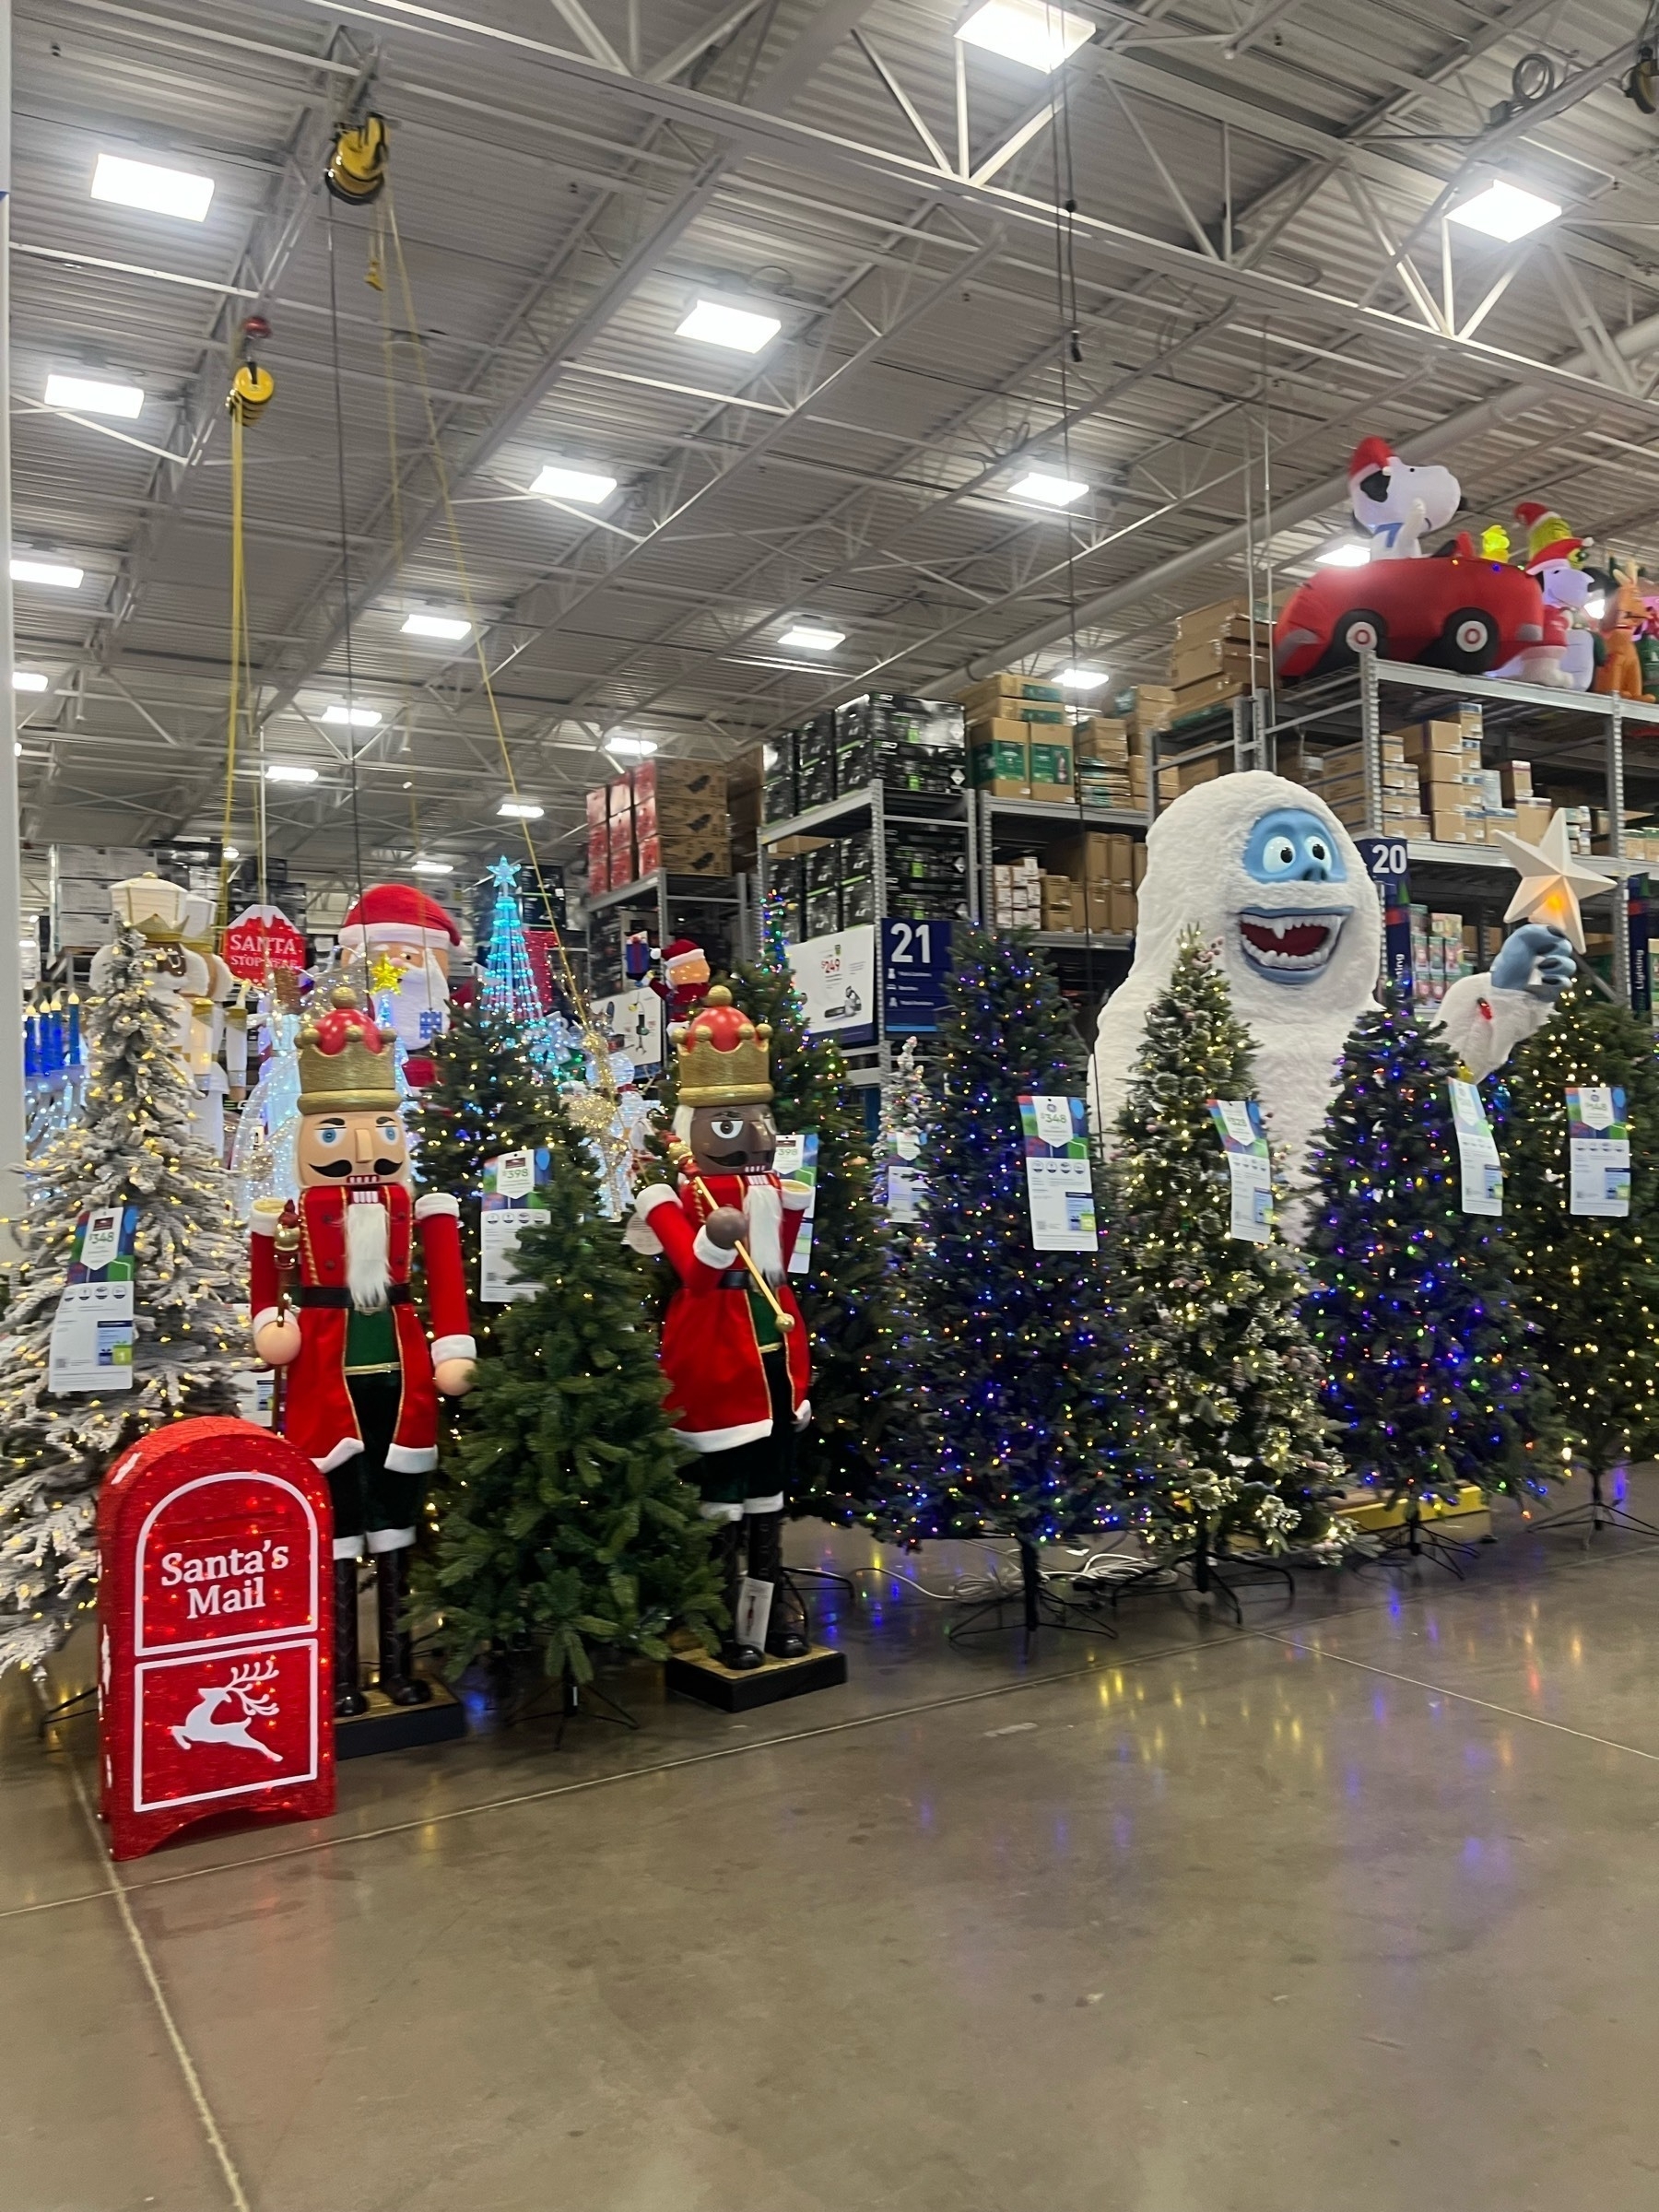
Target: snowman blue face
{"type": "Point", "coordinates": [1292, 938]}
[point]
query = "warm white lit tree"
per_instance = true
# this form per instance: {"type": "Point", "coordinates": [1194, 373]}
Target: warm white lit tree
{"type": "Point", "coordinates": [135, 1145]}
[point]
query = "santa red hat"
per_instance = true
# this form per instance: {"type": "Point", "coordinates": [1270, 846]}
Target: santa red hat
{"type": "Point", "coordinates": [396, 913]}
{"type": "Point", "coordinates": [1371, 452]}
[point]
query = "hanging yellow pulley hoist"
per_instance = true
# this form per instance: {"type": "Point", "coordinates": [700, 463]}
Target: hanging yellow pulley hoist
{"type": "Point", "coordinates": [356, 167]}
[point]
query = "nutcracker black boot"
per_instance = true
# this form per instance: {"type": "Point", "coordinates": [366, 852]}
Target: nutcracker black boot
{"type": "Point", "coordinates": [397, 1677]}
{"type": "Point", "coordinates": [347, 1669]}
{"type": "Point", "coordinates": [786, 1628]}
{"type": "Point", "coordinates": [728, 1562]}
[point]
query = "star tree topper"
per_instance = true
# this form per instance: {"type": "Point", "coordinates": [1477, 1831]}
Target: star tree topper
{"type": "Point", "coordinates": [1553, 880]}
{"type": "Point", "coordinates": [505, 875]}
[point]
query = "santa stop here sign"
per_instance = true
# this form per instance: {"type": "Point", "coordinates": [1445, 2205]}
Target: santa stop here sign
{"type": "Point", "coordinates": [215, 1633]}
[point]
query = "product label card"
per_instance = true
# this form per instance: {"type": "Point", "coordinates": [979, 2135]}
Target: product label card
{"type": "Point", "coordinates": [796, 1161]}
{"type": "Point", "coordinates": [93, 1330]}
{"type": "Point", "coordinates": [1481, 1169]}
{"type": "Point", "coordinates": [1059, 1174]}
{"type": "Point", "coordinates": [1249, 1169]}
{"type": "Point", "coordinates": [1598, 1148]}
{"type": "Point", "coordinates": [514, 1174]}
{"type": "Point", "coordinates": [498, 1235]}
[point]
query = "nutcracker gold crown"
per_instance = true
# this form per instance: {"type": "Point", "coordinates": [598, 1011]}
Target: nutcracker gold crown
{"type": "Point", "coordinates": [347, 1065]}
{"type": "Point", "coordinates": [724, 1058]}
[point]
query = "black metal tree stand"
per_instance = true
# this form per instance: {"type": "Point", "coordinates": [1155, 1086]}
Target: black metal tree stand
{"type": "Point", "coordinates": [1416, 1539]}
{"type": "Point", "coordinates": [1040, 1607]}
{"type": "Point", "coordinates": [577, 1702]}
{"type": "Point", "coordinates": [1213, 1573]}
{"type": "Point", "coordinates": [1598, 1512]}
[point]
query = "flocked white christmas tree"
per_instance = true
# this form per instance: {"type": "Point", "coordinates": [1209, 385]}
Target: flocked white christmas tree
{"type": "Point", "coordinates": [136, 1146]}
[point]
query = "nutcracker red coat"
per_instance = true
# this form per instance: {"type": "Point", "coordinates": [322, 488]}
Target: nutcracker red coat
{"type": "Point", "coordinates": [717, 1391]}
{"type": "Point", "coordinates": [318, 1415]}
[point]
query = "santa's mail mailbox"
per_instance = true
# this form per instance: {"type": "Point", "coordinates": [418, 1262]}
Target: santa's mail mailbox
{"type": "Point", "coordinates": [215, 1633]}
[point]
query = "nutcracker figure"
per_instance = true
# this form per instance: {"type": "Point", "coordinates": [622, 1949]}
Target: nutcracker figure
{"type": "Point", "coordinates": [361, 1381]}
{"type": "Point", "coordinates": [734, 1343]}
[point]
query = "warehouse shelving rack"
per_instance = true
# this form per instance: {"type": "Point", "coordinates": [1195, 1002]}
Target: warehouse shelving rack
{"type": "Point", "coordinates": [1578, 738]}
{"type": "Point", "coordinates": [672, 902]}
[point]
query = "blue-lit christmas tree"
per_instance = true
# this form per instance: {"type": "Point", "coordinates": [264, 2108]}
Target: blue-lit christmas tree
{"type": "Point", "coordinates": [1429, 1360]}
{"type": "Point", "coordinates": [1010, 1423]}
{"type": "Point", "coordinates": [509, 992]}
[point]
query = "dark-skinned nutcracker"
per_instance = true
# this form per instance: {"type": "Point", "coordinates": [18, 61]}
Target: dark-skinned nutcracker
{"type": "Point", "coordinates": [359, 1379]}
{"type": "Point", "coordinates": [734, 1343]}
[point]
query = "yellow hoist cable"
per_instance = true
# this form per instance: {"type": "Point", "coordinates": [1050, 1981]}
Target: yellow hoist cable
{"type": "Point", "coordinates": [594, 1041]}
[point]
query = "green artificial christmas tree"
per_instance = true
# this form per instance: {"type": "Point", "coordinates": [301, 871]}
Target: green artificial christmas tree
{"type": "Point", "coordinates": [1220, 1384]}
{"type": "Point", "coordinates": [567, 1526]}
{"type": "Point", "coordinates": [1588, 1283]}
{"type": "Point", "coordinates": [1009, 1379]}
{"type": "Point", "coordinates": [488, 1099]}
{"type": "Point", "coordinates": [135, 1147]}
{"type": "Point", "coordinates": [1429, 1363]}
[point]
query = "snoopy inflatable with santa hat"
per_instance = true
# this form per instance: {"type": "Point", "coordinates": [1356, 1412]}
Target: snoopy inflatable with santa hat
{"type": "Point", "coordinates": [1264, 870]}
{"type": "Point", "coordinates": [1394, 502]}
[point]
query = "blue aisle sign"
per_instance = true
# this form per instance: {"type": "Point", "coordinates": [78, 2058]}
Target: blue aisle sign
{"type": "Point", "coordinates": [1388, 863]}
{"type": "Point", "coordinates": [916, 957]}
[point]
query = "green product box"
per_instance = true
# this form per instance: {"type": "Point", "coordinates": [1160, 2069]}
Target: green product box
{"type": "Point", "coordinates": [1000, 762]}
{"type": "Point", "coordinates": [1051, 763]}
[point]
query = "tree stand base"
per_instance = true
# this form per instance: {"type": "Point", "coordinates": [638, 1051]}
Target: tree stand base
{"type": "Point", "coordinates": [1598, 1512]}
{"type": "Point", "coordinates": [701, 1675]}
{"type": "Point", "coordinates": [1209, 1574]}
{"type": "Point", "coordinates": [1039, 1608]}
{"type": "Point", "coordinates": [1416, 1539]}
{"type": "Point", "coordinates": [388, 1727]}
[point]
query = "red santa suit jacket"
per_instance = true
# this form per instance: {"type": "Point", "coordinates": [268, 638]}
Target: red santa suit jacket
{"type": "Point", "coordinates": [318, 1415]}
{"type": "Point", "coordinates": [717, 1391]}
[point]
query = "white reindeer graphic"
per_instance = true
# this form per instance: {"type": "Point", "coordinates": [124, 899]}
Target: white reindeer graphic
{"type": "Point", "coordinates": [202, 1724]}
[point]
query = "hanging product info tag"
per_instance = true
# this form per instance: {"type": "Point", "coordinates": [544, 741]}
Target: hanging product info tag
{"type": "Point", "coordinates": [903, 1179]}
{"type": "Point", "coordinates": [509, 1202]}
{"type": "Point", "coordinates": [1059, 1174]}
{"type": "Point", "coordinates": [796, 1161]}
{"type": "Point", "coordinates": [1249, 1169]}
{"type": "Point", "coordinates": [91, 1348]}
{"type": "Point", "coordinates": [1598, 1145]}
{"type": "Point", "coordinates": [1482, 1171]}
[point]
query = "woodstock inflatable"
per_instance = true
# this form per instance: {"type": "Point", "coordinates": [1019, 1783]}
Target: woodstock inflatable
{"type": "Point", "coordinates": [1263, 869]}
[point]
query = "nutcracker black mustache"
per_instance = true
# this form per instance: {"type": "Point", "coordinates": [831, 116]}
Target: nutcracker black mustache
{"type": "Point", "coordinates": [342, 1168]}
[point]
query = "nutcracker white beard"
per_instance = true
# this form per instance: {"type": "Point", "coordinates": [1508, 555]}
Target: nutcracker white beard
{"type": "Point", "coordinates": [367, 1253]}
{"type": "Point", "coordinates": [763, 1217]}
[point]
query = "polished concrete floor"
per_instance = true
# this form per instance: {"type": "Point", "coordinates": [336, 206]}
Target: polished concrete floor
{"type": "Point", "coordinates": [1355, 1908]}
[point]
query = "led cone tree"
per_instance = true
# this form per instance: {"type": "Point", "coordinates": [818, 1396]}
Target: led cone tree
{"type": "Point", "coordinates": [1220, 1383]}
{"type": "Point", "coordinates": [1589, 1285]}
{"type": "Point", "coordinates": [1009, 1382]}
{"type": "Point", "coordinates": [1429, 1365]}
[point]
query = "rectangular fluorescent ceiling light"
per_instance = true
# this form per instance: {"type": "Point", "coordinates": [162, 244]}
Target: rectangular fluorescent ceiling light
{"type": "Point", "coordinates": [1347, 553]}
{"type": "Point", "coordinates": [450, 627]}
{"type": "Point", "coordinates": [810, 638]}
{"type": "Point", "coordinates": [28, 679]}
{"type": "Point", "coordinates": [87, 395]}
{"type": "Point", "coordinates": [1082, 679]}
{"type": "Point", "coordinates": [156, 190]}
{"type": "Point", "coordinates": [584, 486]}
{"type": "Point", "coordinates": [47, 571]}
{"type": "Point", "coordinates": [290, 771]}
{"type": "Point", "coordinates": [431, 868]}
{"type": "Point", "coordinates": [1048, 491]}
{"type": "Point", "coordinates": [355, 718]}
{"type": "Point", "coordinates": [638, 748]}
{"type": "Point", "coordinates": [1031, 31]}
{"type": "Point", "coordinates": [740, 329]}
{"type": "Point", "coordinates": [1505, 211]}
{"type": "Point", "coordinates": [520, 810]}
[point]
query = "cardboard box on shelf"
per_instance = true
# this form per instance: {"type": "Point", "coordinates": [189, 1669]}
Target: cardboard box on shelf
{"type": "Point", "coordinates": [598, 861]}
{"type": "Point", "coordinates": [691, 856]}
{"type": "Point", "coordinates": [999, 759]}
{"type": "Point", "coordinates": [1421, 737]}
{"type": "Point", "coordinates": [619, 796]}
{"type": "Point", "coordinates": [1532, 819]}
{"type": "Point", "coordinates": [1514, 779]}
{"type": "Point", "coordinates": [1145, 710]}
{"type": "Point", "coordinates": [1176, 776]}
{"type": "Point", "coordinates": [1138, 862]}
{"type": "Point", "coordinates": [1210, 657]}
{"type": "Point", "coordinates": [648, 856]}
{"type": "Point", "coordinates": [1109, 910]}
{"type": "Point", "coordinates": [1051, 770]}
{"type": "Point", "coordinates": [598, 807]}
{"type": "Point", "coordinates": [1208, 691]}
{"type": "Point", "coordinates": [1095, 856]}
{"type": "Point", "coordinates": [1103, 737]}
{"type": "Point", "coordinates": [1059, 895]}
{"type": "Point", "coordinates": [980, 702]}
{"type": "Point", "coordinates": [684, 791]}
{"type": "Point", "coordinates": [1219, 619]}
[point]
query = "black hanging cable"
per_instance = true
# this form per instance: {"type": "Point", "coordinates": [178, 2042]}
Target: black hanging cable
{"type": "Point", "coordinates": [339, 411]}
{"type": "Point", "coordinates": [1064, 178]}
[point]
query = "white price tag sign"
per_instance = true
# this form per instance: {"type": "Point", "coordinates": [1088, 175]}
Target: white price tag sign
{"type": "Point", "coordinates": [101, 1243]}
{"type": "Point", "coordinates": [499, 1234]}
{"type": "Point", "coordinates": [514, 1174]}
{"type": "Point", "coordinates": [1481, 1169]}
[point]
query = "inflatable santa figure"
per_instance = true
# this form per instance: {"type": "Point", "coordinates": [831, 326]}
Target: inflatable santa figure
{"type": "Point", "coordinates": [396, 922]}
{"type": "Point", "coordinates": [734, 1343]}
{"type": "Point", "coordinates": [362, 1381]}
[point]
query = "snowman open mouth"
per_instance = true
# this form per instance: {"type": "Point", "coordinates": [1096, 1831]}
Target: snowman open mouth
{"type": "Point", "coordinates": [1291, 947]}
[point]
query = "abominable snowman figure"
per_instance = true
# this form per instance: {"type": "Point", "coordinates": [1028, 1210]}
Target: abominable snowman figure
{"type": "Point", "coordinates": [1263, 869]}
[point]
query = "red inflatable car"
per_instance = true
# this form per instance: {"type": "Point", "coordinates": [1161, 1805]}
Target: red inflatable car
{"type": "Point", "coordinates": [1453, 611]}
